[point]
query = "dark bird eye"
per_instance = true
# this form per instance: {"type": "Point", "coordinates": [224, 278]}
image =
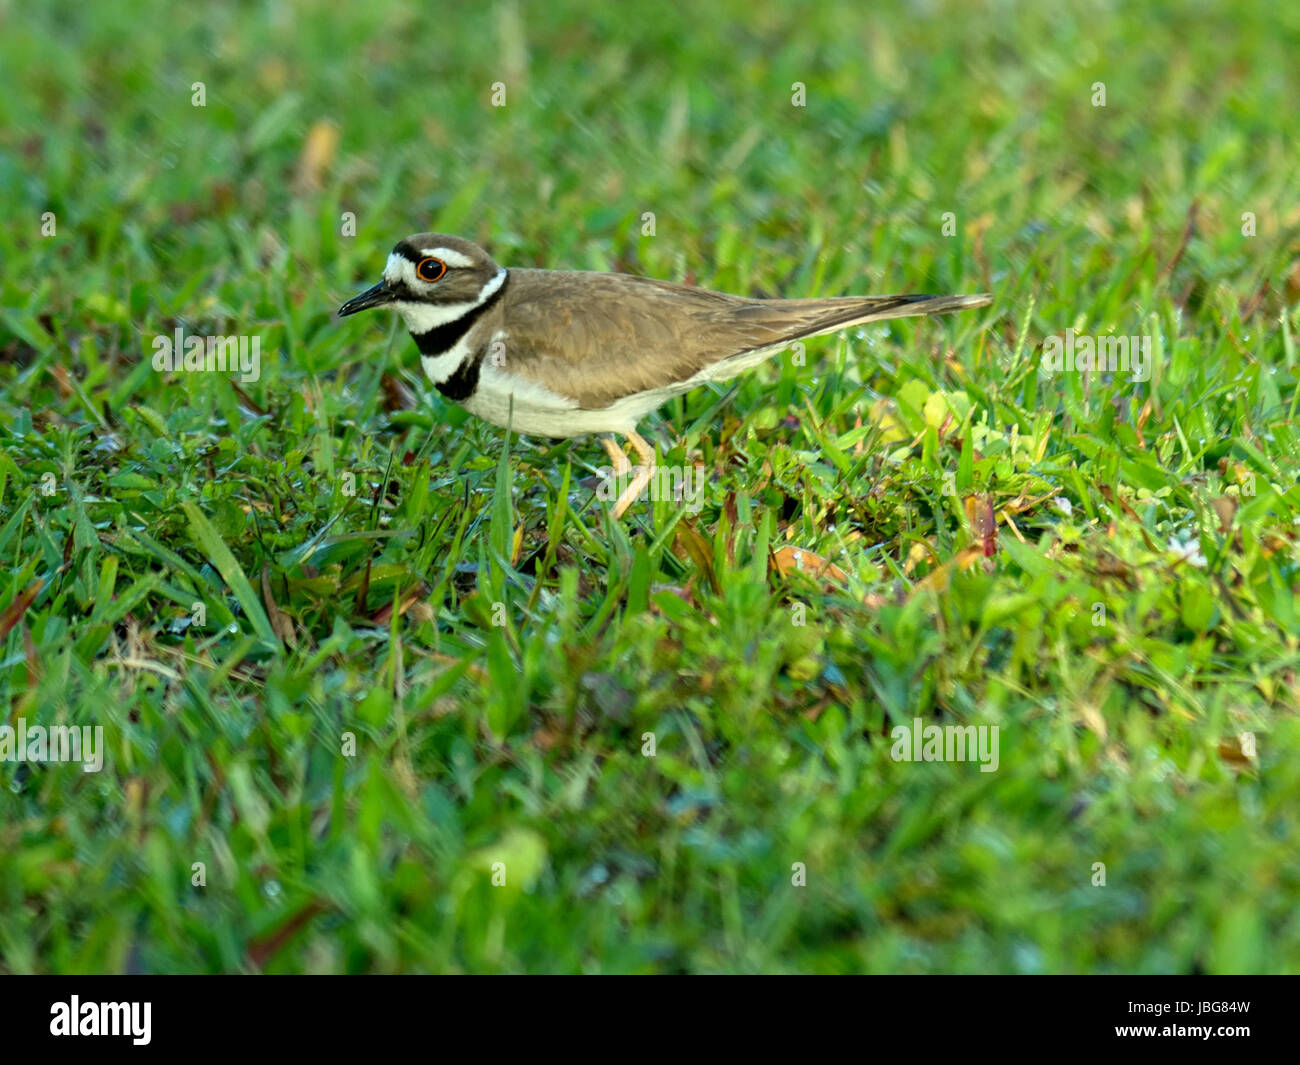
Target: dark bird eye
{"type": "Point", "coordinates": [430, 269]}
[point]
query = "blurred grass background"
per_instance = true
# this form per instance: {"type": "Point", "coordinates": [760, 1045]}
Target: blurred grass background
{"type": "Point", "coordinates": [1162, 741]}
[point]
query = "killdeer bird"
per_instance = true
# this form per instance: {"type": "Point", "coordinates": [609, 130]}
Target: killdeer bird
{"type": "Point", "coordinates": [568, 352]}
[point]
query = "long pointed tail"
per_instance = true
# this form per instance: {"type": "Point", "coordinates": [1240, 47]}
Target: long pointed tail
{"type": "Point", "coordinates": [882, 308]}
{"type": "Point", "coordinates": [785, 321]}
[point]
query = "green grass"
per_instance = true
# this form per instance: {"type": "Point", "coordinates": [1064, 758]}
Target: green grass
{"type": "Point", "coordinates": [1137, 617]}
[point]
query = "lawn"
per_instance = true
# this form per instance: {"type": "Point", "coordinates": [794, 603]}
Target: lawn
{"type": "Point", "coordinates": [383, 688]}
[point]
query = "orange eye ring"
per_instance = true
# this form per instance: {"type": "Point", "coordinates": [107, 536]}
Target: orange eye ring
{"type": "Point", "coordinates": [430, 269]}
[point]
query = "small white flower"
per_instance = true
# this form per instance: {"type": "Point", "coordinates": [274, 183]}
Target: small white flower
{"type": "Point", "coordinates": [1189, 551]}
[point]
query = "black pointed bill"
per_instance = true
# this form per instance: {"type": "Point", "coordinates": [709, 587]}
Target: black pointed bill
{"type": "Point", "coordinates": [375, 296]}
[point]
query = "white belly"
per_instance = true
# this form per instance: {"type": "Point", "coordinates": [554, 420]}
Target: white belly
{"type": "Point", "coordinates": [532, 408]}
{"type": "Point", "coordinates": [539, 411]}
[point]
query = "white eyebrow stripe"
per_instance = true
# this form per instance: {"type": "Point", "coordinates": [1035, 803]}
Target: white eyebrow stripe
{"type": "Point", "coordinates": [448, 256]}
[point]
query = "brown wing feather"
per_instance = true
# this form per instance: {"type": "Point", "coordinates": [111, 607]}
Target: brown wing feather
{"type": "Point", "coordinates": [600, 337]}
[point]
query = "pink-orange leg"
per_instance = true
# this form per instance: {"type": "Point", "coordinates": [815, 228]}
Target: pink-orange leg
{"type": "Point", "coordinates": [643, 473]}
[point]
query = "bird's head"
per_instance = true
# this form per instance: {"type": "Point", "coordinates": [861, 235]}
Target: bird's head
{"type": "Point", "coordinates": [430, 279]}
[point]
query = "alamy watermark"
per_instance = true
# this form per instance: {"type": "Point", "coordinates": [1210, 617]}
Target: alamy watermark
{"type": "Point", "coordinates": [77, 1018]}
{"type": "Point", "coordinates": [209, 354]}
{"type": "Point", "coordinates": [680, 483]}
{"type": "Point", "coordinates": [1106, 354]}
{"type": "Point", "coordinates": [919, 742]}
{"type": "Point", "coordinates": [53, 743]}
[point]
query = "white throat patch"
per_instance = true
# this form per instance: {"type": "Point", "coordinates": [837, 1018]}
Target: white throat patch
{"type": "Point", "coordinates": [421, 317]}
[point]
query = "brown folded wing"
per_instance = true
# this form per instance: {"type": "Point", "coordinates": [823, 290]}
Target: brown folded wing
{"type": "Point", "coordinates": [600, 337]}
